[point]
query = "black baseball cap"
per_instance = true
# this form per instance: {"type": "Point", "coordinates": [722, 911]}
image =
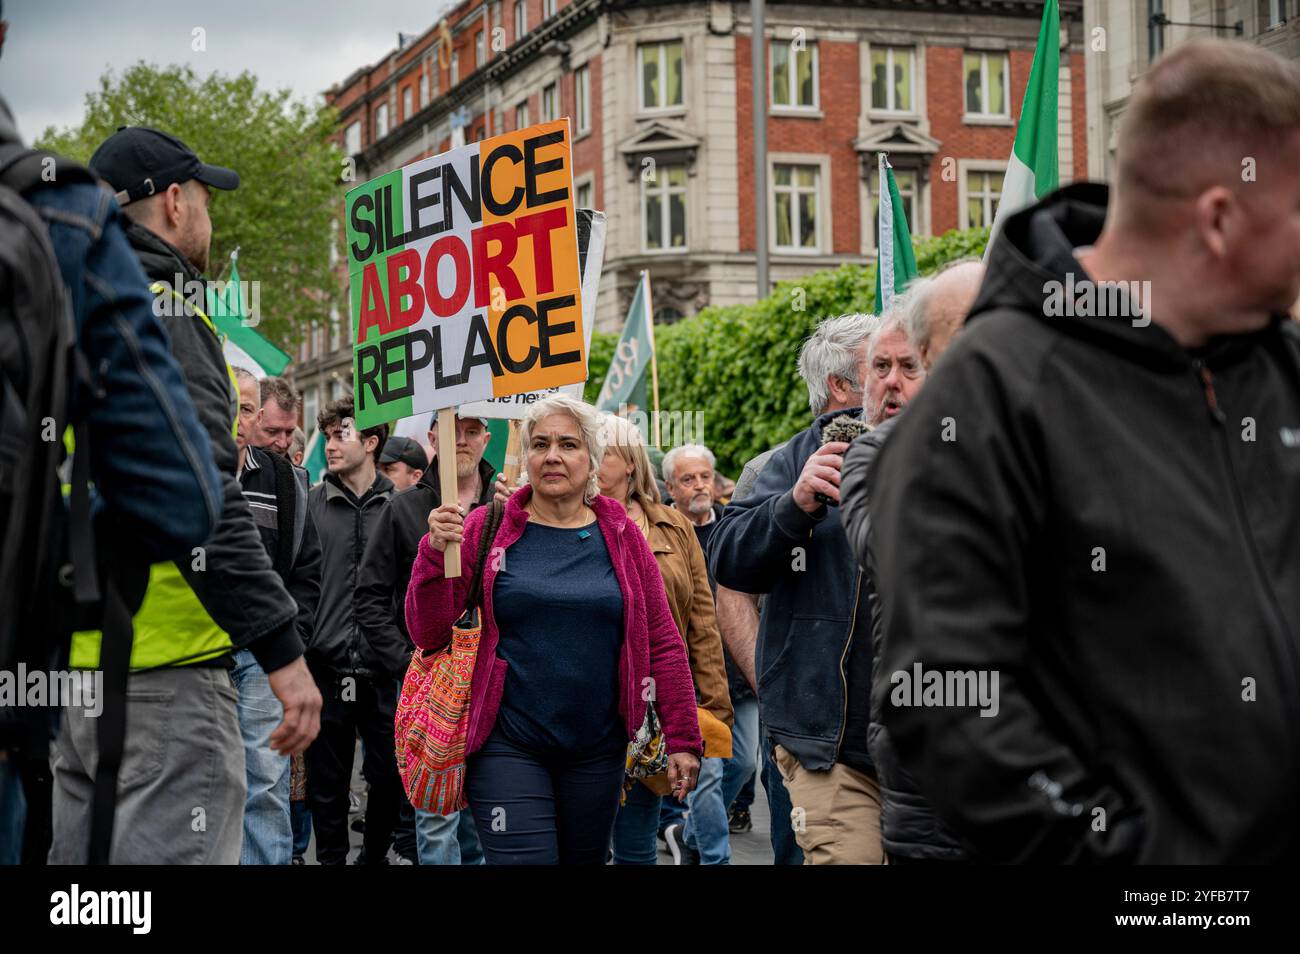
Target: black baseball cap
{"type": "Point", "coordinates": [405, 450]}
{"type": "Point", "coordinates": [138, 162]}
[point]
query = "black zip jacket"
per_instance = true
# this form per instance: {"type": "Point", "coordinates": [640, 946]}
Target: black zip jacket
{"type": "Point", "coordinates": [385, 570]}
{"type": "Point", "coordinates": [909, 827]}
{"type": "Point", "coordinates": [766, 544]}
{"type": "Point", "coordinates": [1113, 532]}
{"type": "Point", "coordinates": [238, 588]}
{"type": "Point", "coordinates": [276, 491]}
{"type": "Point", "coordinates": [344, 523]}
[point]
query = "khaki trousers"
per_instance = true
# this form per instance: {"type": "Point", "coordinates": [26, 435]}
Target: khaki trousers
{"type": "Point", "coordinates": [835, 815]}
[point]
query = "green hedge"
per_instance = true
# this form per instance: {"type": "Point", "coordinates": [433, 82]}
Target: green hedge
{"type": "Point", "coordinates": [736, 364]}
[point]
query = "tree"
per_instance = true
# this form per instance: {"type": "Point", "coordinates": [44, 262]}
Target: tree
{"type": "Point", "coordinates": [285, 213]}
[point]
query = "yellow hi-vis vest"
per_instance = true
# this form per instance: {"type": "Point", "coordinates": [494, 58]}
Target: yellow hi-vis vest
{"type": "Point", "coordinates": [171, 627]}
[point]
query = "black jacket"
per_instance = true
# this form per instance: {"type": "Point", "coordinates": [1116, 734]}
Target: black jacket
{"type": "Point", "coordinates": [276, 491]}
{"type": "Point", "coordinates": [385, 570]}
{"type": "Point", "coordinates": [239, 589]}
{"type": "Point", "coordinates": [909, 827]}
{"type": "Point", "coordinates": [766, 544]}
{"type": "Point", "coordinates": [345, 523]}
{"type": "Point", "coordinates": [1113, 532]}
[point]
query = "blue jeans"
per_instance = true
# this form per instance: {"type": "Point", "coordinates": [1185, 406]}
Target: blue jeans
{"type": "Point", "coordinates": [706, 817]}
{"type": "Point", "coordinates": [739, 770]}
{"type": "Point", "coordinates": [13, 813]}
{"type": "Point", "coordinates": [447, 839]}
{"type": "Point", "coordinates": [634, 828]}
{"type": "Point", "coordinates": [671, 812]}
{"type": "Point", "coordinates": [300, 821]}
{"type": "Point", "coordinates": [268, 830]}
{"type": "Point", "coordinates": [785, 850]}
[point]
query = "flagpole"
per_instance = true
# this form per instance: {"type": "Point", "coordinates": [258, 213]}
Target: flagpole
{"type": "Point", "coordinates": [654, 361]}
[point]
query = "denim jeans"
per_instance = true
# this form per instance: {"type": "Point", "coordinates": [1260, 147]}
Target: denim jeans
{"type": "Point", "coordinates": [706, 815]}
{"type": "Point", "coordinates": [785, 850]}
{"type": "Point", "coordinates": [671, 812]}
{"type": "Point", "coordinates": [634, 828]}
{"type": "Point", "coordinates": [300, 821]}
{"type": "Point", "coordinates": [739, 770]}
{"type": "Point", "coordinates": [268, 829]}
{"type": "Point", "coordinates": [447, 840]}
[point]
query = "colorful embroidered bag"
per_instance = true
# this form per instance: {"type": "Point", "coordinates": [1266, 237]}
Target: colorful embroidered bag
{"type": "Point", "coordinates": [432, 722]}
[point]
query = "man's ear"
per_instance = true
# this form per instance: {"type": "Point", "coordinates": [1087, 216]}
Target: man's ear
{"type": "Point", "coordinates": [1217, 213]}
{"type": "Point", "coordinates": [172, 201]}
{"type": "Point", "coordinates": [418, 474]}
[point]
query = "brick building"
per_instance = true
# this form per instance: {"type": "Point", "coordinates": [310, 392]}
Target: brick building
{"type": "Point", "coordinates": [660, 98]}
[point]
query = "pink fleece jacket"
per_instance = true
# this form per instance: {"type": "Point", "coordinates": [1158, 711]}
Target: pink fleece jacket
{"type": "Point", "coordinates": [652, 648]}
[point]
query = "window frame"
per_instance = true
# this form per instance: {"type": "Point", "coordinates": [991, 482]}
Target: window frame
{"type": "Point", "coordinates": [582, 99]}
{"type": "Point", "coordinates": [543, 114]}
{"type": "Point", "coordinates": [662, 47]}
{"type": "Point", "coordinates": [890, 52]}
{"type": "Point", "coordinates": [792, 71]}
{"type": "Point", "coordinates": [870, 213]}
{"type": "Point", "coordinates": [817, 163]}
{"type": "Point", "coordinates": [521, 19]}
{"type": "Point", "coordinates": [549, 9]}
{"type": "Point", "coordinates": [348, 138]}
{"type": "Point", "coordinates": [585, 181]}
{"type": "Point", "coordinates": [381, 113]}
{"type": "Point", "coordinates": [666, 191]}
{"type": "Point", "coordinates": [983, 166]}
{"type": "Point", "coordinates": [454, 68]}
{"type": "Point", "coordinates": [1001, 119]}
{"type": "Point", "coordinates": [408, 100]}
{"type": "Point", "coordinates": [522, 107]}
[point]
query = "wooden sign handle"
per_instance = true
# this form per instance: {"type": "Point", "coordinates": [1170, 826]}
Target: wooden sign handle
{"type": "Point", "coordinates": [447, 482]}
{"type": "Point", "coordinates": [513, 461]}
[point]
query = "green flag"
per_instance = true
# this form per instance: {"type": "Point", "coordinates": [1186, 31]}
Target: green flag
{"type": "Point", "coordinates": [1032, 171]}
{"type": "Point", "coordinates": [243, 345]}
{"type": "Point", "coordinates": [627, 381]}
{"type": "Point", "coordinates": [895, 263]}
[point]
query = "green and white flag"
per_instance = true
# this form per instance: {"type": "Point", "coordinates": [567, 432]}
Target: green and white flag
{"type": "Point", "coordinates": [243, 345]}
{"type": "Point", "coordinates": [627, 379]}
{"type": "Point", "coordinates": [313, 459]}
{"type": "Point", "coordinates": [1032, 171]}
{"type": "Point", "coordinates": [895, 263]}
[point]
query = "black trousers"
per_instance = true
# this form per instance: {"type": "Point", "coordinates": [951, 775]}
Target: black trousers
{"type": "Point", "coordinates": [354, 705]}
{"type": "Point", "coordinates": [535, 808]}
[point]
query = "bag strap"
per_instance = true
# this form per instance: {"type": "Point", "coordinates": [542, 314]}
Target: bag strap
{"type": "Point", "coordinates": [115, 661]}
{"type": "Point", "coordinates": [286, 501]}
{"type": "Point", "coordinates": [491, 523]}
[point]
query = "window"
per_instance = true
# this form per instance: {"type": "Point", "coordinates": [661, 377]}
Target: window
{"type": "Point", "coordinates": [582, 98]}
{"type": "Point", "coordinates": [1276, 13]}
{"type": "Point", "coordinates": [794, 75]}
{"type": "Point", "coordinates": [480, 48]}
{"type": "Point", "coordinates": [986, 85]}
{"type": "Point", "coordinates": [663, 208]}
{"type": "Point", "coordinates": [455, 68]}
{"type": "Point", "coordinates": [352, 139]}
{"type": "Point", "coordinates": [424, 91]}
{"type": "Point", "coordinates": [661, 75]}
{"type": "Point", "coordinates": [892, 72]}
{"type": "Point", "coordinates": [548, 9]}
{"type": "Point", "coordinates": [310, 408]}
{"type": "Point", "coordinates": [983, 190]}
{"type": "Point", "coordinates": [583, 197]}
{"type": "Point", "coordinates": [549, 109]}
{"type": "Point", "coordinates": [795, 199]}
{"type": "Point", "coordinates": [407, 111]}
{"type": "Point", "coordinates": [521, 19]}
{"type": "Point", "coordinates": [905, 179]}
{"type": "Point", "coordinates": [381, 121]}
{"type": "Point", "coordinates": [435, 75]}
{"type": "Point", "coordinates": [521, 115]}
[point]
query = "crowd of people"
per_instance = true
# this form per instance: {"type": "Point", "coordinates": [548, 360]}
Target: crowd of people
{"type": "Point", "coordinates": [1025, 587]}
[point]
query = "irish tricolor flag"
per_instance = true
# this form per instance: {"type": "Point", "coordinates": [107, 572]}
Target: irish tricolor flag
{"type": "Point", "coordinates": [243, 345]}
{"type": "Point", "coordinates": [895, 263]}
{"type": "Point", "coordinates": [1032, 171]}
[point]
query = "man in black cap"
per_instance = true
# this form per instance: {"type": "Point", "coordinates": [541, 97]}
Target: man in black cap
{"type": "Point", "coordinates": [403, 461]}
{"type": "Point", "coordinates": [196, 612]}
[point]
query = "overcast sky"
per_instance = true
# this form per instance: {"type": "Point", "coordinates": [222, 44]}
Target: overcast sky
{"type": "Point", "coordinates": [56, 50]}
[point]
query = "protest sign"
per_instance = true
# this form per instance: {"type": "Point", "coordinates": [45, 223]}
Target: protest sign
{"type": "Point", "coordinates": [464, 277]}
{"type": "Point", "coordinates": [591, 254]}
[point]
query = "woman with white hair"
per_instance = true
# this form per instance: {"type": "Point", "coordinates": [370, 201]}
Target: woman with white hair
{"type": "Point", "coordinates": [627, 477]}
{"type": "Point", "coordinates": [577, 639]}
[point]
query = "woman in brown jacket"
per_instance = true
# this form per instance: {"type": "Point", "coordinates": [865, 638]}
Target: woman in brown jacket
{"type": "Point", "coordinates": [626, 475]}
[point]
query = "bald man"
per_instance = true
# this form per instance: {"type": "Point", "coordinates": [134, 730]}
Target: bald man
{"type": "Point", "coordinates": [929, 313]}
{"type": "Point", "coordinates": [1083, 528]}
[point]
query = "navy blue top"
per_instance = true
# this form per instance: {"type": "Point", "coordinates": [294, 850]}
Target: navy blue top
{"type": "Point", "coordinates": [559, 610]}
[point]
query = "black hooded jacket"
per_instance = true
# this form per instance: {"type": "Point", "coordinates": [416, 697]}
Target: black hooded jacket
{"type": "Point", "coordinates": [1110, 526]}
